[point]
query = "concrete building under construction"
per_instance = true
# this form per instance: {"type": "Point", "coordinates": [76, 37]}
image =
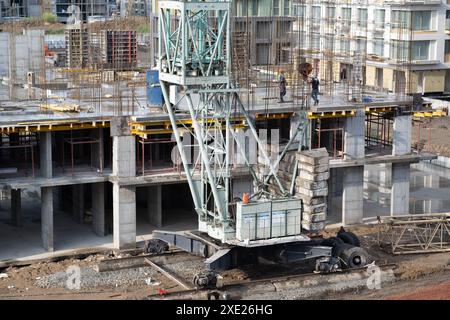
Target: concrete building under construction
{"type": "Point", "coordinates": [87, 155]}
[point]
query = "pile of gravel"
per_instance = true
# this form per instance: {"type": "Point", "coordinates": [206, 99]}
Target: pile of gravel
{"type": "Point", "coordinates": [186, 269]}
{"type": "Point", "coordinates": [89, 278]}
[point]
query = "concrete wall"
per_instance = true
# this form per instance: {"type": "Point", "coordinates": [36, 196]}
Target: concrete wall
{"type": "Point", "coordinates": [434, 81]}
{"type": "Point", "coordinates": [388, 76]}
{"type": "Point", "coordinates": [21, 54]}
{"type": "Point", "coordinates": [371, 76]}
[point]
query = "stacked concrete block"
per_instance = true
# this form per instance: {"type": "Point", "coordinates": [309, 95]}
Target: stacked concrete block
{"type": "Point", "coordinates": [312, 187]}
{"type": "Point", "coordinates": [311, 183]}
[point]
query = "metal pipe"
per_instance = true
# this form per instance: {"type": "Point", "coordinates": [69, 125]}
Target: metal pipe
{"type": "Point", "coordinates": [255, 135]}
{"type": "Point", "coordinates": [204, 156]}
{"type": "Point", "coordinates": [180, 146]}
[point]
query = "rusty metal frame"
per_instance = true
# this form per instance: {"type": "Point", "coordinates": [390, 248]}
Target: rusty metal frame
{"type": "Point", "coordinates": [72, 141]}
{"type": "Point", "coordinates": [141, 155]}
{"type": "Point", "coordinates": [408, 234]}
{"type": "Point", "coordinates": [381, 123]}
{"type": "Point", "coordinates": [24, 142]}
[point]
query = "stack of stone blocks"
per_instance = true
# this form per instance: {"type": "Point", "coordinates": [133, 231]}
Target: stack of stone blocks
{"type": "Point", "coordinates": [311, 186]}
{"type": "Point", "coordinates": [311, 183]}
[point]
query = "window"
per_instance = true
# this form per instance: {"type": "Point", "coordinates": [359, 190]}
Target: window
{"type": "Point", "coordinates": [302, 39]}
{"type": "Point", "coordinates": [287, 5]}
{"type": "Point", "coordinates": [276, 7]}
{"type": "Point", "coordinates": [400, 19]}
{"type": "Point", "coordinates": [330, 12]}
{"type": "Point", "coordinates": [328, 44]}
{"type": "Point", "coordinates": [344, 46]}
{"type": "Point", "coordinates": [263, 29]}
{"type": "Point", "coordinates": [316, 12]}
{"type": "Point", "coordinates": [378, 47]}
{"type": "Point", "coordinates": [447, 51]}
{"type": "Point", "coordinates": [421, 20]}
{"type": "Point", "coordinates": [255, 8]}
{"type": "Point", "coordinates": [299, 11]}
{"type": "Point", "coordinates": [399, 50]}
{"type": "Point", "coordinates": [379, 16]}
{"type": "Point", "coordinates": [447, 20]}
{"type": "Point", "coordinates": [362, 17]}
{"type": "Point", "coordinates": [420, 50]}
{"type": "Point", "coordinates": [244, 7]}
{"type": "Point", "coordinates": [346, 13]}
{"type": "Point", "coordinates": [361, 45]}
{"type": "Point", "coordinates": [315, 41]}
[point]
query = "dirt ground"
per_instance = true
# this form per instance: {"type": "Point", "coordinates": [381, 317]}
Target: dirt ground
{"type": "Point", "coordinates": [425, 276]}
{"type": "Point", "coordinates": [433, 135]}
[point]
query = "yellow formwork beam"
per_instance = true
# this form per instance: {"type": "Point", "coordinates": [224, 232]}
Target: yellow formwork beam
{"type": "Point", "coordinates": [166, 123]}
{"type": "Point", "coordinates": [79, 70]}
{"type": "Point", "coordinates": [53, 126]}
{"type": "Point", "coordinates": [263, 116]}
{"type": "Point", "coordinates": [429, 114]}
{"type": "Point", "coordinates": [148, 132]}
{"type": "Point", "coordinates": [376, 110]}
{"type": "Point", "coordinates": [331, 114]}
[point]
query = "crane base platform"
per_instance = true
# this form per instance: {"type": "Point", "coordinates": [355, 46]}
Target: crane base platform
{"type": "Point", "coordinates": [220, 256]}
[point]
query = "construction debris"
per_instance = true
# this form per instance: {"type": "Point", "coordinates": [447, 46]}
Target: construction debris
{"type": "Point", "coordinates": [407, 234]}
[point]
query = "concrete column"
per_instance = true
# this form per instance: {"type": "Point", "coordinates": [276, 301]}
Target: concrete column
{"type": "Point", "coordinates": [124, 197]}
{"type": "Point", "coordinates": [78, 207]}
{"type": "Point", "coordinates": [352, 195]}
{"type": "Point", "coordinates": [16, 207]}
{"type": "Point", "coordinates": [47, 218]}
{"type": "Point", "coordinates": [46, 154]}
{"type": "Point", "coordinates": [400, 189]}
{"type": "Point", "coordinates": [401, 171]}
{"type": "Point", "coordinates": [353, 177]}
{"type": "Point", "coordinates": [154, 205]}
{"type": "Point", "coordinates": [354, 136]}
{"type": "Point", "coordinates": [98, 208]}
{"type": "Point", "coordinates": [402, 135]}
{"type": "Point", "coordinates": [124, 156]}
{"type": "Point", "coordinates": [124, 216]}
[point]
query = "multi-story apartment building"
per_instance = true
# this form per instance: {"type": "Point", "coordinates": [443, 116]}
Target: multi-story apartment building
{"type": "Point", "coordinates": [82, 9]}
{"type": "Point", "coordinates": [19, 8]}
{"type": "Point", "coordinates": [63, 9]}
{"type": "Point", "coordinates": [135, 8]}
{"type": "Point", "coordinates": [267, 26]}
{"type": "Point", "coordinates": [399, 39]}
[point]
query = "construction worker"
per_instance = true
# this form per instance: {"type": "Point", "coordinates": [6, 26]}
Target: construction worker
{"type": "Point", "coordinates": [282, 85]}
{"type": "Point", "coordinates": [315, 90]}
{"type": "Point", "coordinates": [343, 74]}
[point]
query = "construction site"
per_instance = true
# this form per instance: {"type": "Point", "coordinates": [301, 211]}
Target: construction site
{"type": "Point", "coordinates": [238, 150]}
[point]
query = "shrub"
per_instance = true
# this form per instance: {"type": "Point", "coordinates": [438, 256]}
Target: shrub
{"type": "Point", "coordinates": [49, 17]}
